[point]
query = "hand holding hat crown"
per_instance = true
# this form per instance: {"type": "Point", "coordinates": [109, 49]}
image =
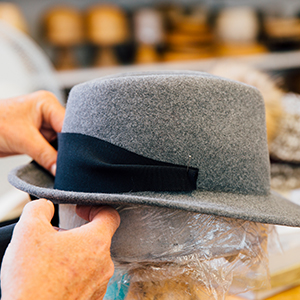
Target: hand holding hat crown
{"type": "Point", "coordinates": [36, 120]}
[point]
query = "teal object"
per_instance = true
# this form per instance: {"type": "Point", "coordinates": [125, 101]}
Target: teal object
{"type": "Point", "coordinates": [118, 287]}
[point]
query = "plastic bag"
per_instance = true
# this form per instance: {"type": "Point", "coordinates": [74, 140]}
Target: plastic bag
{"type": "Point", "coordinates": [162, 253]}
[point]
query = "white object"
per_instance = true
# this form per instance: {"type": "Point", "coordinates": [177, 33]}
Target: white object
{"type": "Point", "coordinates": [237, 25]}
{"type": "Point", "coordinates": [148, 26]}
{"type": "Point", "coordinates": [24, 68]}
{"type": "Point", "coordinates": [11, 204]}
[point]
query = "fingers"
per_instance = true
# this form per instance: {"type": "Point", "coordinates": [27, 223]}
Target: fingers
{"type": "Point", "coordinates": [33, 116]}
{"type": "Point", "coordinates": [52, 115]}
{"type": "Point", "coordinates": [104, 220]}
{"type": "Point", "coordinates": [41, 208]}
{"type": "Point", "coordinates": [41, 151]}
{"type": "Point", "coordinates": [52, 111]}
{"type": "Point", "coordinates": [36, 214]}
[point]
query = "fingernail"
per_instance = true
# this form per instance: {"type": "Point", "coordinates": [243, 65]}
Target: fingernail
{"type": "Point", "coordinates": [59, 229]}
{"type": "Point", "coordinates": [53, 169]}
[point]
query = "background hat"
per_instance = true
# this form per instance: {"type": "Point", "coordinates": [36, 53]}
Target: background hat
{"type": "Point", "coordinates": [184, 140]}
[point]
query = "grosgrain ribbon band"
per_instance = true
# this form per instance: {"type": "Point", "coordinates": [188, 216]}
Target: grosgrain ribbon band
{"type": "Point", "coordinates": [88, 164]}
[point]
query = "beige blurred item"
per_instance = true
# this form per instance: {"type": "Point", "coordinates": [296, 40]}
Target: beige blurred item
{"type": "Point", "coordinates": [286, 145]}
{"type": "Point", "coordinates": [282, 28]}
{"type": "Point", "coordinates": [237, 25]}
{"type": "Point", "coordinates": [285, 148]}
{"type": "Point", "coordinates": [285, 176]}
{"type": "Point", "coordinates": [64, 30]}
{"type": "Point", "coordinates": [148, 32]}
{"type": "Point", "coordinates": [237, 29]}
{"type": "Point", "coordinates": [271, 93]}
{"type": "Point", "coordinates": [11, 14]}
{"type": "Point", "coordinates": [63, 26]}
{"type": "Point", "coordinates": [107, 26]}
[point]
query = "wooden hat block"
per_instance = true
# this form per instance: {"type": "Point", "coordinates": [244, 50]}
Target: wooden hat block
{"type": "Point", "coordinates": [237, 29]}
{"type": "Point", "coordinates": [190, 36]}
{"type": "Point", "coordinates": [282, 28]}
{"type": "Point", "coordinates": [107, 26]}
{"type": "Point", "coordinates": [64, 30]}
{"type": "Point", "coordinates": [11, 14]}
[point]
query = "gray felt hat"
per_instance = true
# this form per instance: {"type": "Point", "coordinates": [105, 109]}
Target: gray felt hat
{"type": "Point", "coordinates": [184, 140]}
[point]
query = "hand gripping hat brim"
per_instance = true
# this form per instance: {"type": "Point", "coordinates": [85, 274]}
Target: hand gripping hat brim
{"type": "Point", "coordinates": [184, 140]}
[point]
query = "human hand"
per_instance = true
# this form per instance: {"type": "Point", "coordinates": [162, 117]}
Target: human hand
{"type": "Point", "coordinates": [28, 123]}
{"type": "Point", "coordinates": [43, 263]}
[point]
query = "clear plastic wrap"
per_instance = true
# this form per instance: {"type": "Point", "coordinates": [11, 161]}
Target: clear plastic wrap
{"type": "Point", "coordinates": [161, 253]}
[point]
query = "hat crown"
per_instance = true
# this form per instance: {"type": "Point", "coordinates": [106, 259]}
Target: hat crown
{"type": "Point", "coordinates": [185, 118]}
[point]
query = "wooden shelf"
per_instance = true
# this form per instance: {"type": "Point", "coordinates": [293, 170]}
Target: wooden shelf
{"type": "Point", "coordinates": [268, 62]}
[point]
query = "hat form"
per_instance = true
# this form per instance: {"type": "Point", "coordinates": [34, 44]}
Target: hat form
{"type": "Point", "coordinates": [184, 140]}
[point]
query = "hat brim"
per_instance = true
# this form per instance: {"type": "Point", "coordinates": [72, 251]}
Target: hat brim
{"type": "Point", "coordinates": [269, 209]}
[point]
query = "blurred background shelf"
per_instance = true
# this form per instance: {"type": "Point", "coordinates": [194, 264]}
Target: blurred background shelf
{"type": "Point", "coordinates": [93, 38]}
{"type": "Point", "coordinates": [33, 9]}
{"type": "Point", "coordinates": [268, 62]}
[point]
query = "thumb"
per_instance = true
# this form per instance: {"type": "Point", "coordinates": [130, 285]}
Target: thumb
{"type": "Point", "coordinates": [33, 227]}
{"type": "Point", "coordinates": [104, 220]}
{"type": "Point", "coordinates": [36, 213]}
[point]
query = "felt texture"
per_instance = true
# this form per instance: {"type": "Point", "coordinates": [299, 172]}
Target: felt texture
{"type": "Point", "coordinates": [184, 118]}
{"type": "Point", "coordinates": [195, 119]}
